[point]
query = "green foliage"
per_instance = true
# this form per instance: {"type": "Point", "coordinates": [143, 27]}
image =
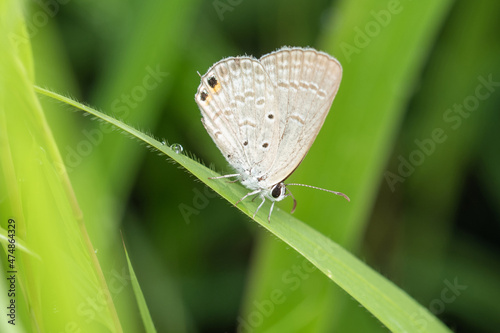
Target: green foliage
{"type": "Point", "coordinates": [411, 138]}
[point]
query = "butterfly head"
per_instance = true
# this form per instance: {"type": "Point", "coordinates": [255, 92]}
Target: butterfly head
{"type": "Point", "coordinates": [278, 193]}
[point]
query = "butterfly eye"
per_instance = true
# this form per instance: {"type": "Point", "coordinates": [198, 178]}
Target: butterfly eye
{"type": "Point", "coordinates": [276, 191]}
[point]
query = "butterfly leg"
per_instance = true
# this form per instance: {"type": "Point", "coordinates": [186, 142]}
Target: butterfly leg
{"type": "Point", "coordinates": [225, 176]}
{"type": "Point", "coordinates": [263, 200]}
{"type": "Point", "coordinates": [270, 211]}
{"type": "Point", "coordinates": [247, 195]}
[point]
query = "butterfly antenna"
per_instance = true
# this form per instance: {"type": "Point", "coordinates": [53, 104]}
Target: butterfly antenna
{"type": "Point", "coordinates": [322, 189]}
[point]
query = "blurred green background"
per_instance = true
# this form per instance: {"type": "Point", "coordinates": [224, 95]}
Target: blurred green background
{"type": "Point", "coordinates": [411, 138]}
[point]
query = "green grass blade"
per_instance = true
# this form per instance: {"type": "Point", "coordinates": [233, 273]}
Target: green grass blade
{"type": "Point", "coordinates": [54, 286]}
{"type": "Point", "coordinates": [381, 297]}
{"type": "Point", "coordinates": [139, 296]}
{"type": "Point", "coordinates": [20, 244]}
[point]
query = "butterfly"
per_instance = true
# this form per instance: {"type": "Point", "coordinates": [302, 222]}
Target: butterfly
{"type": "Point", "coordinates": [264, 115]}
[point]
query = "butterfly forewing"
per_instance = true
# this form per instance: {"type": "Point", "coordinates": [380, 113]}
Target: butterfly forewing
{"type": "Point", "coordinates": [307, 82]}
{"type": "Point", "coordinates": [217, 111]}
{"type": "Point", "coordinates": [237, 101]}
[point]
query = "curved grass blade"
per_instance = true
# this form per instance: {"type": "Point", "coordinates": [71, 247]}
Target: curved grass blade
{"type": "Point", "coordinates": [392, 306]}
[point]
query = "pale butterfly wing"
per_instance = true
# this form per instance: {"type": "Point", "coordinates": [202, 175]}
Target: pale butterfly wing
{"type": "Point", "coordinates": [307, 82]}
{"type": "Point", "coordinates": [237, 102]}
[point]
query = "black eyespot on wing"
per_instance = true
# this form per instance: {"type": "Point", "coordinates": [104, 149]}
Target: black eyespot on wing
{"type": "Point", "coordinates": [212, 81]}
{"type": "Point", "coordinates": [270, 116]}
{"type": "Point", "coordinates": [265, 145]}
{"type": "Point", "coordinates": [204, 95]}
{"type": "Point", "coordinates": [245, 143]}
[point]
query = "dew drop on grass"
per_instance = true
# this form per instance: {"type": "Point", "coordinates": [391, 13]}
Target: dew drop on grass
{"type": "Point", "coordinates": [177, 148]}
{"type": "Point", "coordinates": [164, 142]}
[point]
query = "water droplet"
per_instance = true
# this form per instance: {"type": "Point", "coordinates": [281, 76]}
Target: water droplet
{"type": "Point", "coordinates": [329, 273]}
{"type": "Point", "coordinates": [177, 148]}
{"type": "Point", "coordinates": [95, 251]}
{"type": "Point", "coordinates": [164, 142]}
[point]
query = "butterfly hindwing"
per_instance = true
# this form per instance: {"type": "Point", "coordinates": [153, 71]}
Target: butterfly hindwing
{"type": "Point", "coordinates": [307, 82]}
